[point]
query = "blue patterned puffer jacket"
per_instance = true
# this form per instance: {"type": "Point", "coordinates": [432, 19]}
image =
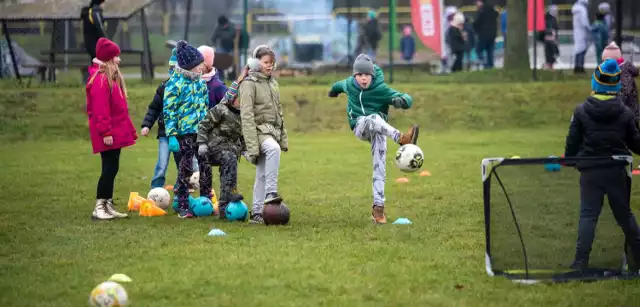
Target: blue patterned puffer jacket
{"type": "Point", "coordinates": [185, 102]}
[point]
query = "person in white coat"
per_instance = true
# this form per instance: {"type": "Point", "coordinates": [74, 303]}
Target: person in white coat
{"type": "Point", "coordinates": [581, 33]}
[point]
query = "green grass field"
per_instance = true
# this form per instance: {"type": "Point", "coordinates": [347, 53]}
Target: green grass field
{"type": "Point", "coordinates": [52, 254]}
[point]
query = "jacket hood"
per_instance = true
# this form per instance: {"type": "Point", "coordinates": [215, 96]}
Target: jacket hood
{"type": "Point", "coordinates": [259, 76]}
{"type": "Point", "coordinates": [187, 74]}
{"type": "Point", "coordinates": [93, 68]}
{"type": "Point", "coordinates": [604, 111]}
{"type": "Point", "coordinates": [579, 6]}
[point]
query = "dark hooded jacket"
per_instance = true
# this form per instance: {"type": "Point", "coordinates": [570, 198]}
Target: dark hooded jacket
{"type": "Point", "coordinates": [154, 111]}
{"type": "Point", "coordinates": [92, 25]}
{"type": "Point", "coordinates": [225, 34]}
{"type": "Point", "coordinates": [602, 128]}
{"type": "Point", "coordinates": [486, 23]}
{"type": "Point", "coordinates": [372, 33]}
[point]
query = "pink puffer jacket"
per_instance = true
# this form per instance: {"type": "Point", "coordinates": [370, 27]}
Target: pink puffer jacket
{"type": "Point", "coordinates": [108, 114]}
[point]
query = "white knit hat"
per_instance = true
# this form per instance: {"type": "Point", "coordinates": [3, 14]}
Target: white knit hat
{"type": "Point", "coordinates": [458, 19]}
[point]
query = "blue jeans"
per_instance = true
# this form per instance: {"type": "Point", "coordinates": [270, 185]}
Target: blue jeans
{"type": "Point", "coordinates": [484, 50]}
{"type": "Point", "coordinates": [163, 163]}
{"type": "Point", "coordinates": [579, 60]}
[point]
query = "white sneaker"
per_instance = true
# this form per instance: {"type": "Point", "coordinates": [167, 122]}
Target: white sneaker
{"type": "Point", "coordinates": [101, 212]}
{"type": "Point", "coordinates": [112, 210]}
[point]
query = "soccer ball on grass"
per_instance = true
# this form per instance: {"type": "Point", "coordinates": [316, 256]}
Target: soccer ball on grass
{"type": "Point", "coordinates": [160, 197]}
{"type": "Point", "coordinates": [108, 294]}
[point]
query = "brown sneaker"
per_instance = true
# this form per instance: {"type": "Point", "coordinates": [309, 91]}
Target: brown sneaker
{"type": "Point", "coordinates": [377, 215]}
{"type": "Point", "coordinates": [410, 137]}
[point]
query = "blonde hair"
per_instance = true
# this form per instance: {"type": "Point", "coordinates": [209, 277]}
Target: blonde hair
{"type": "Point", "coordinates": [112, 71]}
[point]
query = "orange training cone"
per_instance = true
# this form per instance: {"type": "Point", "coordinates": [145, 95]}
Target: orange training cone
{"type": "Point", "coordinates": [425, 174]}
{"type": "Point", "coordinates": [149, 208]}
{"type": "Point", "coordinates": [134, 201]}
{"type": "Point", "coordinates": [402, 180]}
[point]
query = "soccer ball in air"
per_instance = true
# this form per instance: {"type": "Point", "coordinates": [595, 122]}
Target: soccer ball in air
{"type": "Point", "coordinates": [108, 294]}
{"type": "Point", "coordinates": [409, 158]}
{"type": "Point", "coordinates": [160, 197]}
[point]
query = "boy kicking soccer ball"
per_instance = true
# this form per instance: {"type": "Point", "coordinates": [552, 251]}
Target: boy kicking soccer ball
{"type": "Point", "coordinates": [369, 99]}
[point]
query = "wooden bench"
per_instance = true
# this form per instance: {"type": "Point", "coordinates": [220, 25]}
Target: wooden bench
{"type": "Point", "coordinates": [51, 65]}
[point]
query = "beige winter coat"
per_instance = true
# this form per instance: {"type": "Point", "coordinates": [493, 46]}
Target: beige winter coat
{"type": "Point", "coordinates": [261, 112]}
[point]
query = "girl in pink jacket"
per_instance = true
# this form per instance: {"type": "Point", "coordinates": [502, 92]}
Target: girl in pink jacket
{"type": "Point", "coordinates": [110, 126]}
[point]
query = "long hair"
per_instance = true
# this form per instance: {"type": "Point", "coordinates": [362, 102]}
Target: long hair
{"type": "Point", "coordinates": [112, 71]}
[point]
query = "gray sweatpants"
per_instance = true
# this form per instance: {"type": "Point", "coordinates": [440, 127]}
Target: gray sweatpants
{"type": "Point", "coordinates": [266, 173]}
{"type": "Point", "coordinates": [375, 130]}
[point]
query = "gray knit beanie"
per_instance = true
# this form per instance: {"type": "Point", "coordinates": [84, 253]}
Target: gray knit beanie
{"type": "Point", "coordinates": [363, 65]}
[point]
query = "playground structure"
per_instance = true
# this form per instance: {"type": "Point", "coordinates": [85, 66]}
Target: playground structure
{"type": "Point", "coordinates": [306, 40]}
{"type": "Point", "coordinates": [59, 15]}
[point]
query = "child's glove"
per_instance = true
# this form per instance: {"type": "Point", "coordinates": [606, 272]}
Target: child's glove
{"type": "Point", "coordinates": [333, 94]}
{"type": "Point", "coordinates": [174, 146]}
{"type": "Point", "coordinates": [202, 150]}
{"type": "Point", "coordinates": [399, 103]}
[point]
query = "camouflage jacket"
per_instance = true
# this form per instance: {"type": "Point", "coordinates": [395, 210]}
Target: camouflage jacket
{"type": "Point", "coordinates": [221, 129]}
{"type": "Point", "coordinates": [261, 112]}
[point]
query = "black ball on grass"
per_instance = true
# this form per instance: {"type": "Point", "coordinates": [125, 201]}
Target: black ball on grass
{"type": "Point", "coordinates": [275, 214]}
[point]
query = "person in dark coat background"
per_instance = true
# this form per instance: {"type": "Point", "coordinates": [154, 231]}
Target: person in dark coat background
{"type": "Point", "coordinates": [457, 40]}
{"type": "Point", "coordinates": [372, 34]}
{"type": "Point", "coordinates": [470, 42]}
{"type": "Point", "coordinates": [93, 28]}
{"type": "Point", "coordinates": [550, 37]}
{"type": "Point", "coordinates": [224, 36]}
{"type": "Point", "coordinates": [486, 27]}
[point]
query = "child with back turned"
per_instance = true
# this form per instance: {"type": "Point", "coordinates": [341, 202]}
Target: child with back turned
{"type": "Point", "coordinates": [603, 127]}
{"type": "Point", "coordinates": [369, 99]}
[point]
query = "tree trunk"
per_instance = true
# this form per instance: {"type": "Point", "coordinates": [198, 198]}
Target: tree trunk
{"type": "Point", "coordinates": [517, 49]}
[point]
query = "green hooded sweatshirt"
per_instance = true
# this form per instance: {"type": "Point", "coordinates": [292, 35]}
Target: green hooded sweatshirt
{"type": "Point", "coordinates": [373, 100]}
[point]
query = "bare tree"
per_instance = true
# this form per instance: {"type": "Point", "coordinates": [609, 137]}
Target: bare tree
{"type": "Point", "coordinates": [517, 49]}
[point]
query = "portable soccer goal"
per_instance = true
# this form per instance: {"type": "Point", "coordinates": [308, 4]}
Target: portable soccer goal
{"type": "Point", "coordinates": [531, 212]}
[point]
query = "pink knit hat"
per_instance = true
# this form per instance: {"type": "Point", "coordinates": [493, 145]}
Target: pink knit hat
{"type": "Point", "coordinates": [209, 55]}
{"type": "Point", "coordinates": [611, 52]}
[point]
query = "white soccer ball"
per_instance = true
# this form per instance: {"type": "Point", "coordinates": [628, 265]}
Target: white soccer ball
{"type": "Point", "coordinates": [160, 196]}
{"type": "Point", "coordinates": [409, 158]}
{"type": "Point", "coordinates": [108, 294]}
{"type": "Point", "coordinates": [194, 181]}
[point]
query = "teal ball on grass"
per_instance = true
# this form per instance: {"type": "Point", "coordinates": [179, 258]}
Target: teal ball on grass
{"type": "Point", "coordinates": [236, 211]}
{"type": "Point", "coordinates": [200, 206]}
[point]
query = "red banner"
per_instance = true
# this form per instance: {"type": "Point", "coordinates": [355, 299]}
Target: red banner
{"type": "Point", "coordinates": [427, 18]}
{"type": "Point", "coordinates": [539, 4]}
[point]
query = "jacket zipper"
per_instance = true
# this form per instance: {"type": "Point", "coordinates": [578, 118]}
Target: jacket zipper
{"type": "Point", "coordinates": [361, 105]}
